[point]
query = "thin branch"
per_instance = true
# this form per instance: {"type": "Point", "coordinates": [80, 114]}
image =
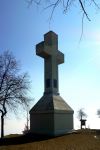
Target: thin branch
{"type": "Point", "coordinates": [82, 27]}
{"type": "Point", "coordinates": [95, 4]}
{"type": "Point", "coordinates": [31, 1]}
{"type": "Point", "coordinates": [83, 9]}
{"type": "Point", "coordinates": [1, 111]}
{"type": "Point", "coordinates": [67, 6]}
{"type": "Point", "coordinates": [53, 6]}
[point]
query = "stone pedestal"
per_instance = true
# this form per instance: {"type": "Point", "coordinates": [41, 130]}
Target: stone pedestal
{"type": "Point", "coordinates": [51, 116]}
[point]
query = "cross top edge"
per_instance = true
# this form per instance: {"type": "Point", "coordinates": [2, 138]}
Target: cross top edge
{"type": "Point", "coordinates": [51, 33]}
{"type": "Point", "coordinates": [51, 38]}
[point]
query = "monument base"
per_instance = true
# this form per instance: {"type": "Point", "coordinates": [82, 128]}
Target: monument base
{"type": "Point", "coordinates": [51, 116]}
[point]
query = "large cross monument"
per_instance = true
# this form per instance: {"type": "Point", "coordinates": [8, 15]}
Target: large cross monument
{"type": "Point", "coordinates": [51, 115]}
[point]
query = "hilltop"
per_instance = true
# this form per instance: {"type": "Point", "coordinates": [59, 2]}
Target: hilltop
{"type": "Point", "coordinates": [79, 140]}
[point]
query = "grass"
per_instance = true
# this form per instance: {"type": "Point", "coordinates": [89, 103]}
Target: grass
{"type": "Point", "coordinates": [81, 140]}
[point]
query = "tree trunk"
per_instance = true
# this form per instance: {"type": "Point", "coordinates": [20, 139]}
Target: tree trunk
{"type": "Point", "coordinates": [81, 122]}
{"type": "Point", "coordinates": [81, 125]}
{"type": "Point", "coordinates": [3, 113]}
{"type": "Point", "coordinates": [2, 126]}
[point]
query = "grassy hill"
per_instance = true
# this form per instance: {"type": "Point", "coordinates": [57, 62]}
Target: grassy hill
{"type": "Point", "coordinates": [81, 140]}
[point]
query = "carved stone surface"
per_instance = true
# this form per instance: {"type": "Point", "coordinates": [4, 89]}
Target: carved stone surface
{"type": "Point", "coordinates": [51, 115]}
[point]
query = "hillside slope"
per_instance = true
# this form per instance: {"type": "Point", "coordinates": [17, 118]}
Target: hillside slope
{"type": "Point", "coordinates": [81, 140]}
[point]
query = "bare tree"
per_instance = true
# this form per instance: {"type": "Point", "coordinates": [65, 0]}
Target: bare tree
{"type": "Point", "coordinates": [67, 4]}
{"type": "Point", "coordinates": [98, 113]}
{"type": "Point", "coordinates": [81, 115]}
{"type": "Point", "coordinates": [26, 128]}
{"type": "Point", "coordinates": [13, 86]}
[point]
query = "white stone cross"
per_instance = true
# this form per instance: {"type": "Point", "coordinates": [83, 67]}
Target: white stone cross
{"type": "Point", "coordinates": [48, 49]}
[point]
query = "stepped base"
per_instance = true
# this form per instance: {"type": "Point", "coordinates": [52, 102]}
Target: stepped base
{"type": "Point", "coordinates": [51, 116]}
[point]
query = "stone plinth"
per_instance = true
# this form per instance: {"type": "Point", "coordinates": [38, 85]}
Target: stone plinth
{"type": "Point", "coordinates": [51, 116]}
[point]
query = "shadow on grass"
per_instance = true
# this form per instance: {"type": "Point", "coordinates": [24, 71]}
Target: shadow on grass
{"type": "Point", "coordinates": [22, 139]}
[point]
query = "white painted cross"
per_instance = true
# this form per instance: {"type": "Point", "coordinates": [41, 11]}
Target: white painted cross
{"type": "Point", "coordinates": [48, 49]}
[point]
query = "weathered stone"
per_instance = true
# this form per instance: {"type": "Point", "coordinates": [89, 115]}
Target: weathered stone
{"type": "Point", "coordinates": [51, 115]}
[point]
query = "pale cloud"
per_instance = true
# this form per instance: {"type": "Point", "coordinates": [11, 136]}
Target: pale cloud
{"type": "Point", "coordinates": [14, 126]}
{"type": "Point", "coordinates": [96, 58]}
{"type": "Point", "coordinates": [92, 37]}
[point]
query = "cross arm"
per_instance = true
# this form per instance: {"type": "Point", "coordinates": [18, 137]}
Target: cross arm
{"type": "Point", "coordinates": [60, 57]}
{"type": "Point", "coordinates": [42, 50]}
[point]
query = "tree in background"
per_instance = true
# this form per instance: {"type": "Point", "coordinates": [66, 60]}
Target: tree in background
{"type": "Point", "coordinates": [84, 5]}
{"type": "Point", "coordinates": [98, 113]}
{"type": "Point", "coordinates": [66, 6]}
{"type": "Point", "coordinates": [81, 115]}
{"type": "Point", "coordinates": [26, 128]}
{"type": "Point", "coordinates": [13, 86]}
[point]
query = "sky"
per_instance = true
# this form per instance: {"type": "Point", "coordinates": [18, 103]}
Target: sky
{"type": "Point", "coordinates": [22, 27]}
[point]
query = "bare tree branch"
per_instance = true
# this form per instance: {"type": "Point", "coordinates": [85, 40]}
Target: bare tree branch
{"type": "Point", "coordinates": [66, 5]}
{"type": "Point", "coordinates": [83, 9]}
{"type": "Point", "coordinates": [53, 6]}
{"type": "Point", "coordinates": [95, 4]}
{"type": "Point", "coordinates": [31, 1]}
{"type": "Point", "coordinates": [98, 113]}
{"type": "Point", "coordinates": [81, 114]}
{"type": "Point", "coordinates": [82, 23]}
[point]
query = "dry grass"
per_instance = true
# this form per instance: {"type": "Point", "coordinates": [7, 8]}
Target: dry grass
{"type": "Point", "coordinates": [83, 140]}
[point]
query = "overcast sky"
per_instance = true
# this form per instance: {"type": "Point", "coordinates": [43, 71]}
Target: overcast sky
{"type": "Point", "coordinates": [21, 28]}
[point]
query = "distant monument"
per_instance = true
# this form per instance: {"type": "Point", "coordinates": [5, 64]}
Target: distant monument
{"type": "Point", "coordinates": [51, 115]}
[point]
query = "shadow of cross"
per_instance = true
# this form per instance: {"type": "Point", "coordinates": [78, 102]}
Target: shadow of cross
{"type": "Point", "coordinates": [48, 49]}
